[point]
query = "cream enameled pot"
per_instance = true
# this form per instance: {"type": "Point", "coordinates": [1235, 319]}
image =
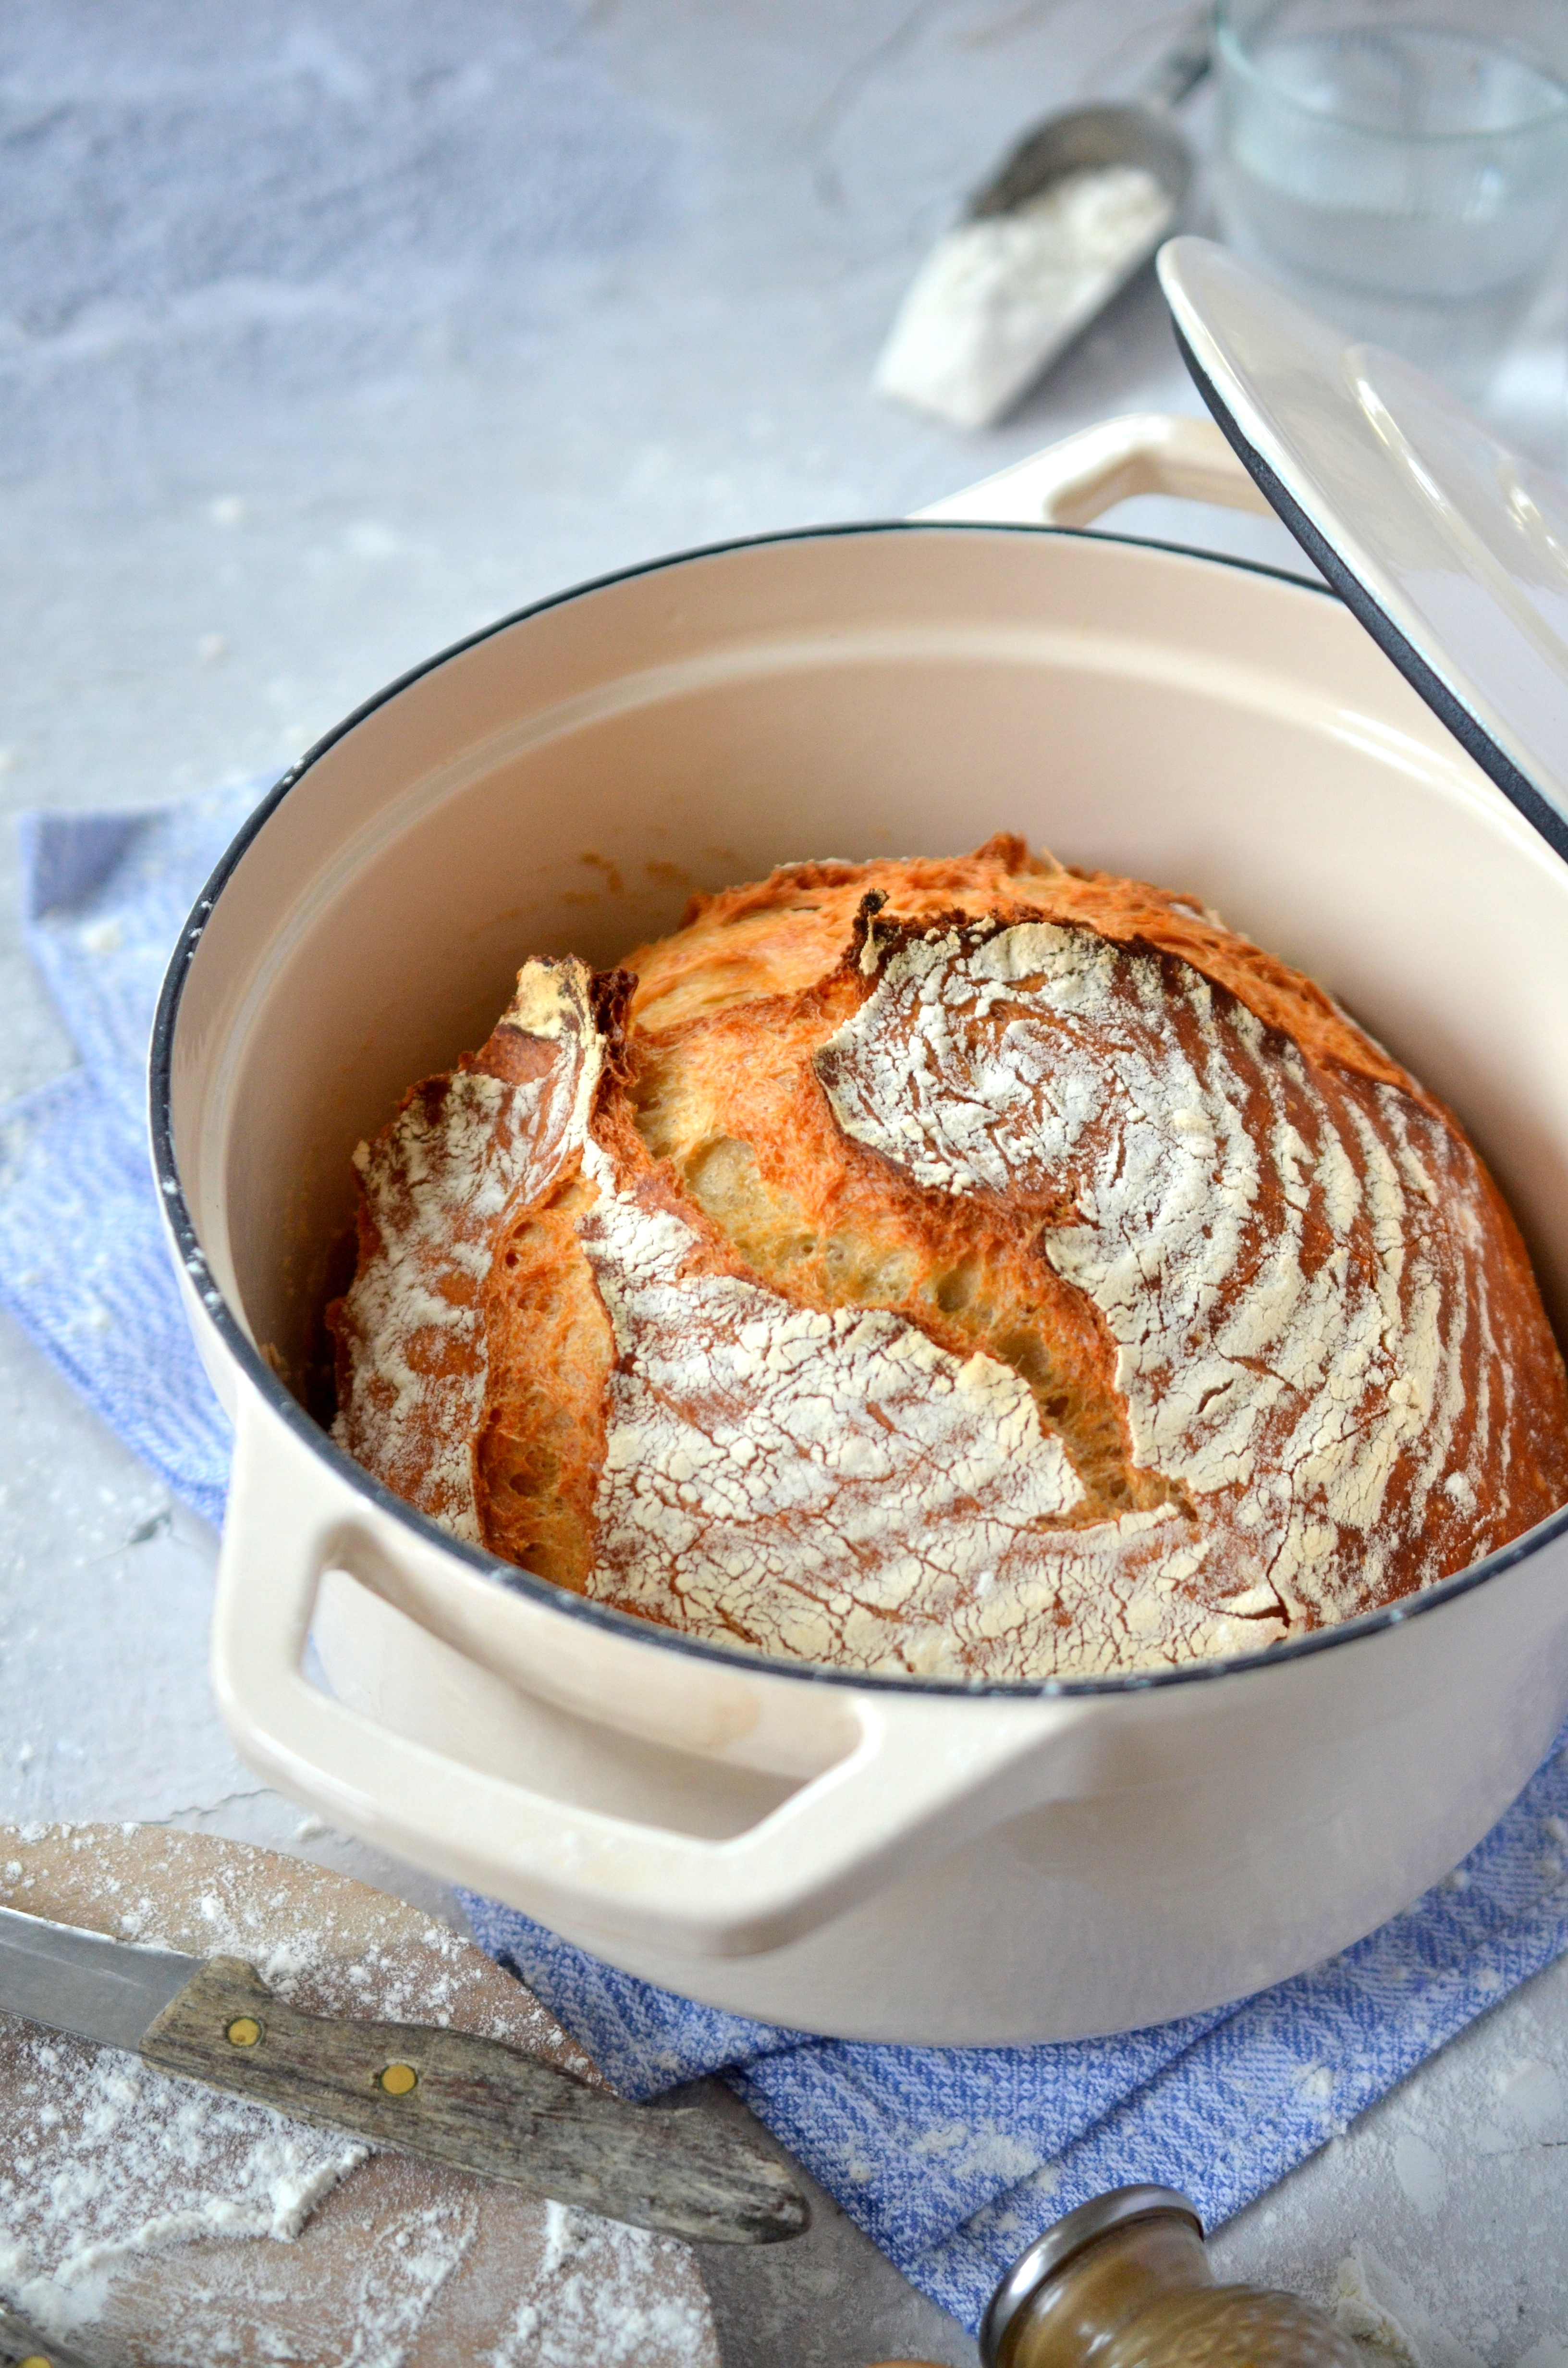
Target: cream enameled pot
{"type": "Point", "coordinates": [891, 1858]}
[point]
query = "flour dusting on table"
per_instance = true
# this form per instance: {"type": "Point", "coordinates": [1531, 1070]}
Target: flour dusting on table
{"type": "Point", "coordinates": [106, 2157]}
{"type": "Point", "coordinates": [127, 2198]}
{"type": "Point", "coordinates": [593, 2296]}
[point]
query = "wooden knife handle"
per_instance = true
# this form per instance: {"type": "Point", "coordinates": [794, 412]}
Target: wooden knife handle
{"type": "Point", "coordinates": [479, 2105]}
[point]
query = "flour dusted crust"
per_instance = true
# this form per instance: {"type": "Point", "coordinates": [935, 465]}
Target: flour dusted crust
{"type": "Point", "coordinates": [462, 1152]}
{"type": "Point", "coordinates": [965, 1268]}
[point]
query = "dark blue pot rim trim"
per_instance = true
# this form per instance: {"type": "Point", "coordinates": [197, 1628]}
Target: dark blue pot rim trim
{"type": "Point", "coordinates": [1450, 712]}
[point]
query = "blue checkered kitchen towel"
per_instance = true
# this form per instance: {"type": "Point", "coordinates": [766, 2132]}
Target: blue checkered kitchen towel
{"type": "Point", "coordinates": [951, 2158]}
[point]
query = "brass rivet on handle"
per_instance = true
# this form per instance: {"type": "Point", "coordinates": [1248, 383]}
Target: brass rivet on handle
{"type": "Point", "coordinates": [398, 2079]}
{"type": "Point", "coordinates": [244, 2032]}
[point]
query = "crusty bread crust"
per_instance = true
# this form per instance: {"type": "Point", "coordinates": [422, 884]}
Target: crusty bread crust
{"type": "Point", "coordinates": [779, 934]}
{"type": "Point", "coordinates": [962, 1267]}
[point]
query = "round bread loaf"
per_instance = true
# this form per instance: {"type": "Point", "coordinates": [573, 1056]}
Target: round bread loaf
{"type": "Point", "coordinates": [971, 1269]}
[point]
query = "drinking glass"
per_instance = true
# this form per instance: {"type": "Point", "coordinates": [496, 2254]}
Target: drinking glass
{"type": "Point", "coordinates": [1404, 164]}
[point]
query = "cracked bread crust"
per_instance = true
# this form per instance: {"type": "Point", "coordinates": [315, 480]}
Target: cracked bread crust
{"type": "Point", "coordinates": [964, 1267]}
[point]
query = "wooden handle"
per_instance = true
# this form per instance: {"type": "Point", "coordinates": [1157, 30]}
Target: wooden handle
{"type": "Point", "coordinates": [479, 2105]}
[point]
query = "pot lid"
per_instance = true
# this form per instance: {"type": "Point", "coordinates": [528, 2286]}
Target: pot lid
{"type": "Point", "coordinates": [1450, 549]}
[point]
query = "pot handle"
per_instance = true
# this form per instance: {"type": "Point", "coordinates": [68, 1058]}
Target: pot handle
{"type": "Point", "coordinates": [920, 1776]}
{"type": "Point", "coordinates": [1073, 482]}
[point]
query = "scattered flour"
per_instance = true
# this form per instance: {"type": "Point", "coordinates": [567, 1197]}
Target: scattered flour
{"type": "Point", "coordinates": [596, 2295]}
{"type": "Point", "coordinates": [401, 2270]}
{"type": "Point", "coordinates": [1362, 2308]}
{"type": "Point", "coordinates": [107, 2158]}
{"type": "Point", "coordinates": [107, 2164]}
{"type": "Point", "coordinates": [1420, 2171]}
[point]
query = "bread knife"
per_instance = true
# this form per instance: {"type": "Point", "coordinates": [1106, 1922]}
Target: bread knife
{"type": "Point", "coordinates": [476, 2103]}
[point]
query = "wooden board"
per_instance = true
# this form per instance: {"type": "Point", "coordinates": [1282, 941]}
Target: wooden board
{"type": "Point", "coordinates": [110, 2176]}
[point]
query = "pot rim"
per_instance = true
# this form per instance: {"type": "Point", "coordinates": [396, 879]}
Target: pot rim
{"type": "Point", "coordinates": [545, 1592]}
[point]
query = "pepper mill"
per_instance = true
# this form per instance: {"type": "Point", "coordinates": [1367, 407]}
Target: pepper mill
{"type": "Point", "coordinates": [1124, 2283]}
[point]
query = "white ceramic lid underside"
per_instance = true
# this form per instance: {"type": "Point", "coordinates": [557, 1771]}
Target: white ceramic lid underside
{"type": "Point", "coordinates": [1452, 550]}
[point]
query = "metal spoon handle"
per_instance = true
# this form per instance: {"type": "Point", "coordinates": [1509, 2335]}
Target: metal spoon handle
{"type": "Point", "coordinates": [1183, 65]}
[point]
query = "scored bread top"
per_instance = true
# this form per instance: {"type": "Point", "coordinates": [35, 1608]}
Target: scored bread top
{"type": "Point", "coordinates": [966, 1267]}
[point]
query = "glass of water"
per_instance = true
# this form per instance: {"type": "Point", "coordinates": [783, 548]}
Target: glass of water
{"type": "Point", "coordinates": [1403, 163]}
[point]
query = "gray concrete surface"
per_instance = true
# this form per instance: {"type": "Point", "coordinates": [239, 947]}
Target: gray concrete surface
{"type": "Point", "coordinates": [330, 329]}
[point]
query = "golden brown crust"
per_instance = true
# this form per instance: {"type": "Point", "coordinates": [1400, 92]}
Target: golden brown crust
{"type": "Point", "coordinates": [731, 1102]}
{"type": "Point", "coordinates": [883, 1161]}
{"type": "Point", "coordinates": [785, 932]}
{"type": "Point", "coordinates": [540, 1445]}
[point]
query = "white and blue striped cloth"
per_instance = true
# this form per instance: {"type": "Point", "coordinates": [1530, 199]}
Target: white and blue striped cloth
{"type": "Point", "coordinates": [951, 2158]}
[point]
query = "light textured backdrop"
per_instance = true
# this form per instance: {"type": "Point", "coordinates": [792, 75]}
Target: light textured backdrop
{"type": "Point", "coordinates": [330, 329]}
